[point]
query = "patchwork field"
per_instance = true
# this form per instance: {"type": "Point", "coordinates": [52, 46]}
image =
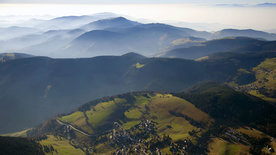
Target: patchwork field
{"type": "Point", "coordinates": [221, 147]}
{"type": "Point", "coordinates": [61, 146]}
{"type": "Point", "coordinates": [150, 122]}
{"type": "Point", "coordinates": [172, 116]}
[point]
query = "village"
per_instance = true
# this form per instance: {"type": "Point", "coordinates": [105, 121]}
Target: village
{"type": "Point", "coordinates": [143, 139]}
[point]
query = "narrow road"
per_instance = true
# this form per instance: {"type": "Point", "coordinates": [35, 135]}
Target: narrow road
{"type": "Point", "coordinates": [61, 123]}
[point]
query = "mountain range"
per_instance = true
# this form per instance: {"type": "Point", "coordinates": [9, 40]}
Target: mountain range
{"type": "Point", "coordinates": [104, 84]}
{"type": "Point", "coordinates": [45, 86]}
{"type": "Point", "coordinates": [105, 34]}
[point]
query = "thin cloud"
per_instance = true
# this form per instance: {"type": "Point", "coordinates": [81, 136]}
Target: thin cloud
{"type": "Point", "coordinates": [247, 5]}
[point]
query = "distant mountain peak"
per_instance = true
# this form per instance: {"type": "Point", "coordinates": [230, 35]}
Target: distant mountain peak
{"type": "Point", "coordinates": [113, 22]}
{"type": "Point", "coordinates": [245, 33]}
{"type": "Point", "coordinates": [238, 30]}
{"type": "Point", "coordinates": [266, 5]}
{"type": "Point", "coordinates": [118, 19]}
{"type": "Point", "coordinates": [133, 55]}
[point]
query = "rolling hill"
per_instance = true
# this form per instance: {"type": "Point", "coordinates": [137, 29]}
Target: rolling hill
{"type": "Point", "coordinates": [16, 31]}
{"type": "Point", "coordinates": [45, 43]}
{"type": "Point", "coordinates": [145, 39]}
{"type": "Point", "coordinates": [52, 42]}
{"type": "Point", "coordinates": [12, 56]}
{"type": "Point", "coordinates": [105, 34]}
{"type": "Point", "coordinates": [205, 93]}
{"type": "Point", "coordinates": [44, 87]}
{"type": "Point", "coordinates": [118, 22]}
{"type": "Point", "coordinates": [244, 33]}
{"type": "Point", "coordinates": [231, 44]}
{"type": "Point", "coordinates": [71, 22]}
{"type": "Point", "coordinates": [152, 122]}
{"type": "Point", "coordinates": [264, 84]}
{"type": "Point", "coordinates": [224, 103]}
{"type": "Point", "coordinates": [256, 76]}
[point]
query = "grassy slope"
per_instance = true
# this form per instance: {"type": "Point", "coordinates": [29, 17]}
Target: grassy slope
{"type": "Point", "coordinates": [164, 109]}
{"type": "Point", "coordinates": [174, 116]}
{"type": "Point", "coordinates": [135, 113]}
{"type": "Point", "coordinates": [138, 65]}
{"type": "Point", "coordinates": [17, 134]}
{"type": "Point", "coordinates": [213, 46]}
{"type": "Point", "coordinates": [101, 112]}
{"type": "Point", "coordinates": [265, 84]}
{"type": "Point", "coordinates": [224, 103]}
{"type": "Point", "coordinates": [77, 119]}
{"type": "Point", "coordinates": [158, 105]}
{"type": "Point", "coordinates": [61, 146]}
{"type": "Point", "coordinates": [258, 134]}
{"type": "Point", "coordinates": [220, 146]}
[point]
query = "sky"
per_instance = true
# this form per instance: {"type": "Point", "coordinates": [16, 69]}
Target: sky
{"type": "Point", "coordinates": [137, 1]}
{"type": "Point", "coordinates": [182, 12]}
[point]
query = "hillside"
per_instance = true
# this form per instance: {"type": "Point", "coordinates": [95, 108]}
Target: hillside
{"type": "Point", "coordinates": [106, 33]}
{"type": "Point", "coordinates": [148, 122]}
{"type": "Point", "coordinates": [255, 74]}
{"type": "Point", "coordinates": [12, 56]}
{"type": "Point", "coordinates": [70, 22]}
{"type": "Point", "coordinates": [19, 146]}
{"type": "Point", "coordinates": [135, 120]}
{"type": "Point", "coordinates": [16, 31]}
{"type": "Point", "coordinates": [264, 86]}
{"type": "Point", "coordinates": [244, 33]}
{"type": "Point", "coordinates": [223, 103]}
{"type": "Point", "coordinates": [145, 39]}
{"type": "Point", "coordinates": [103, 84]}
{"type": "Point", "coordinates": [205, 48]}
{"type": "Point", "coordinates": [44, 87]}
{"type": "Point", "coordinates": [43, 44]}
{"type": "Point", "coordinates": [118, 22]}
{"type": "Point", "coordinates": [113, 35]}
